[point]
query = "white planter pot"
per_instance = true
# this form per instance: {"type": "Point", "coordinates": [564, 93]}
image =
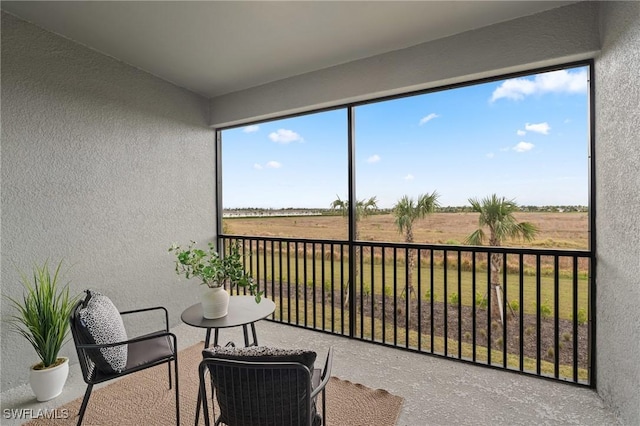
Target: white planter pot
{"type": "Point", "coordinates": [48, 383]}
{"type": "Point", "coordinates": [215, 302]}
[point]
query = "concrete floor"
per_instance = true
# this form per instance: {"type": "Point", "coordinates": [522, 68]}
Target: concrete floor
{"type": "Point", "coordinates": [435, 391]}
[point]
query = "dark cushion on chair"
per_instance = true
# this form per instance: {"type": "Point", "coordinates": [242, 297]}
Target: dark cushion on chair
{"type": "Point", "coordinates": [267, 391]}
{"type": "Point", "coordinates": [262, 354]}
{"type": "Point", "coordinates": [99, 322]}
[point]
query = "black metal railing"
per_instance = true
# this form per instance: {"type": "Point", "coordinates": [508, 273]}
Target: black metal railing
{"type": "Point", "coordinates": [525, 310]}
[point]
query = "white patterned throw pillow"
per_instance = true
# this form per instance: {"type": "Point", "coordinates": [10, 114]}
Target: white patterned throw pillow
{"type": "Point", "coordinates": [101, 323]}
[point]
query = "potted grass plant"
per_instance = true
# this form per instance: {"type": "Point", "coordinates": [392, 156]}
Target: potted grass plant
{"type": "Point", "coordinates": [215, 272]}
{"type": "Point", "coordinates": [42, 317]}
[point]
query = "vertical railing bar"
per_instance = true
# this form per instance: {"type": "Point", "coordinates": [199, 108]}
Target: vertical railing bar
{"type": "Point", "coordinates": [315, 284]}
{"type": "Point", "coordinates": [407, 297]}
{"type": "Point", "coordinates": [489, 308]}
{"type": "Point", "coordinates": [431, 280]}
{"type": "Point", "coordinates": [446, 303]}
{"type": "Point", "coordinates": [575, 319]}
{"type": "Point", "coordinates": [459, 304]}
{"type": "Point", "coordinates": [256, 275]}
{"type": "Point", "coordinates": [333, 290]}
{"type": "Point", "coordinates": [556, 315]}
{"type": "Point", "coordinates": [304, 282]}
{"type": "Point", "coordinates": [395, 294]}
{"type": "Point", "coordinates": [361, 260]}
{"type": "Point", "coordinates": [264, 268]}
{"type": "Point", "coordinates": [253, 272]}
{"type": "Point", "coordinates": [521, 310]}
{"type": "Point", "coordinates": [280, 281]}
{"type": "Point", "coordinates": [322, 278]}
{"type": "Point", "coordinates": [297, 282]}
{"type": "Point", "coordinates": [273, 277]}
{"type": "Point", "coordinates": [384, 297]}
{"type": "Point", "coordinates": [473, 305]}
{"type": "Point", "coordinates": [538, 338]}
{"type": "Point", "coordinates": [419, 295]}
{"type": "Point", "coordinates": [505, 310]}
{"type": "Point", "coordinates": [373, 294]}
{"type": "Point", "coordinates": [289, 282]}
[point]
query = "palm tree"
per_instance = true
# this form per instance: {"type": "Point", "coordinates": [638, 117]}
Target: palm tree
{"type": "Point", "coordinates": [407, 211]}
{"type": "Point", "coordinates": [364, 208]}
{"type": "Point", "coordinates": [497, 213]}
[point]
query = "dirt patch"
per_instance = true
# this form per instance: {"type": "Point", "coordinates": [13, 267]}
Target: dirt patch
{"type": "Point", "coordinates": [533, 344]}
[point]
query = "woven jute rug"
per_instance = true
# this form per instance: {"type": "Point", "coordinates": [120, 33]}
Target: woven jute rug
{"type": "Point", "coordinates": [144, 398]}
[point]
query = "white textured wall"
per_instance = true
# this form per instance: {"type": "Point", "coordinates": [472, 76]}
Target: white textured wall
{"type": "Point", "coordinates": [557, 36]}
{"type": "Point", "coordinates": [102, 165]}
{"type": "Point", "coordinates": [618, 209]}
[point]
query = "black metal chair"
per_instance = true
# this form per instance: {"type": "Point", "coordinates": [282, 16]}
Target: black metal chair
{"type": "Point", "coordinates": [264, 393]}
{"type": "Point", "coordinates": [142, 352]}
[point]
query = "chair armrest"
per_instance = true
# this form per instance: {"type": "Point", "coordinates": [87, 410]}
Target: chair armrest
{"type": "Point", "coordinates": [127, 342]}
{"type": "Point", "coordinates": [326, 374]}
{"type": "Point", "coordinates": [155, 308]}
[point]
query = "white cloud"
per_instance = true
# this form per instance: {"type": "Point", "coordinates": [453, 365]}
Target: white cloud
{"type": "Point", "coordinates": [285, 136]}
{"type": "Point", "coordinates": [251, 129]}
{"type": "Point", "coordinates": [523, 147]}
{"type": "Point", "coordinates": [538, 128]}
{"type": "Point", "coordinates": [257, 166]}
{"type": "Point", "coordinates": [561, 81]}
{"type": "Point", "coordinates": [521, 132]}
{"type": "Point", "coordinates": [409, 177]}
{"type": "Point", "coordinates": [374, 159]}
{"type": "Point", "coordinates": [273, 165]}
{"type": "Point", "coordinates": [428, 118]}
{"type": "Point", "coordinates": [490, 155]}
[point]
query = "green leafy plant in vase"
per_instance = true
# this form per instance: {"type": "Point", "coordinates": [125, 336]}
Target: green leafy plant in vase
{"type": "Point", "coordinates": [215, 272]}
{"type": "Point", "coordinates": [42, 317]}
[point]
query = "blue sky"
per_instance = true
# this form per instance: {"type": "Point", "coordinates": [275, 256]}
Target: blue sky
{"type": "Point", "coordinates": [524, 138]}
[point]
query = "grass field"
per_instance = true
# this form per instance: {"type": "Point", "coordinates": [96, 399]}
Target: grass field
{"type": "Point", "coordinates": [556, 230]}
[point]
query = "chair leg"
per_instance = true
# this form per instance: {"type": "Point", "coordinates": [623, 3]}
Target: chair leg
{"type": "Point", "coordinates": [169, 369]}
{"type": "Point", "coordinates": [85, 401]}
{"type": "Point", "coordinates": [175, 365]}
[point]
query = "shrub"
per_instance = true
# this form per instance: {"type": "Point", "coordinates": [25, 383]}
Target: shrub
{"type": "Point", "coordinates": [388, 291]}
{"type": "Point", "coordinates": [545, 309]}
{"type": "Point", "coordinates": [453, 298]}
{"type": "Point", "coordinates": [515, 306]}
{"type": "Point", "coordinates": [366, 289]}
{"type": "Point", "coordinates": [566, 337]}
{"type": "Point", "coordinates": [481, 301]}
{"type": "Point", "coordinates": [582, 316]}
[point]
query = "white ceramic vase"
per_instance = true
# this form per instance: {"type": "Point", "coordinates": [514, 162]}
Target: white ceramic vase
{"type": "Point", "coordinates": [215, 302]}
{"type": "Point", "coordinates": [48, 383]}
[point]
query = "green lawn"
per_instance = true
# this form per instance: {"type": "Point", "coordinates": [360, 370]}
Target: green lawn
{"type": "Point", "coordinates": [378, 278]}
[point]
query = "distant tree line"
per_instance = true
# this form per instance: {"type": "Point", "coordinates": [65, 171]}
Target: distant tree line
{"type": "Point", "coordinates": [437, 209]}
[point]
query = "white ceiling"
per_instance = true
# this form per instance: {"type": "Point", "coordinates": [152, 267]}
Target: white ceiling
{"type": "Point", "coordinates": [219, 47]}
